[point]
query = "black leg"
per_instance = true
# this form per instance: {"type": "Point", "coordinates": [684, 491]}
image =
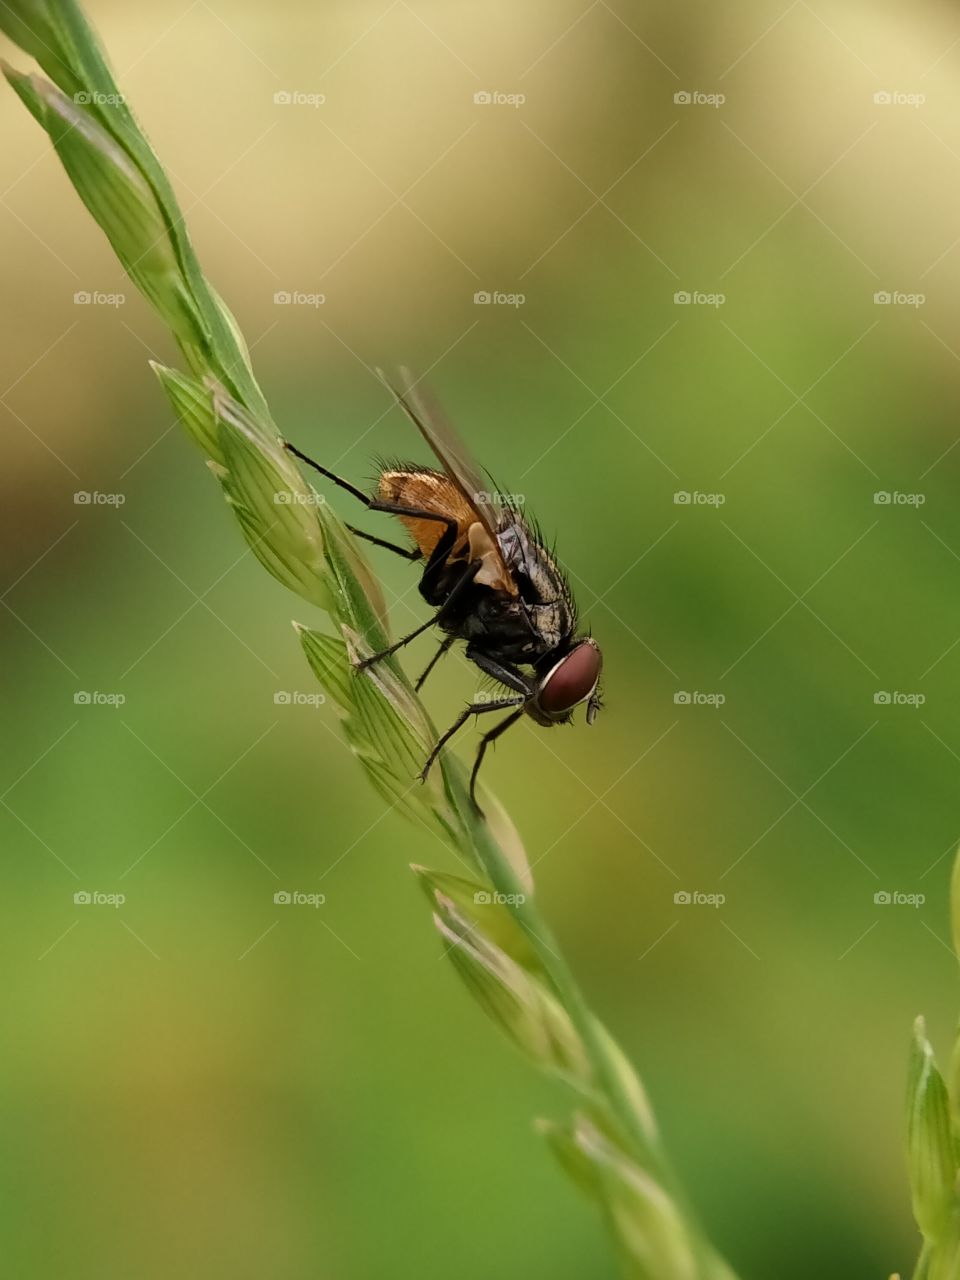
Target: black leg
{"type": "Point", "coordinates": [473, 709]}
{"type": "Point", "coordinates": [374, 504]}
{"type": "Point", "coordinates": [444, 647]}
{"type": "Point", "coordinates": [485, 741]}
{"type": "Point", "coordinates": [503, 672]}
{"type": "Point", "coordinates": [344, 484]}
{"type": "Point", "coordinates": [408, 553]}
{"type": "Point", "coordinates": [469, 573]}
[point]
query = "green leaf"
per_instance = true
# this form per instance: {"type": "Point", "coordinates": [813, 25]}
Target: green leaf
{"type": "Point", "coordinates": [329, 662]}
{"type": "Point", "coordinates": [482, 906]}
{"type": "Point", "coordinates": [57, 34]}
{"type": "Point", "coordinates": [572, 1159]}
{"type": "Point", "coordinates": [654, 1240]}
{"type": "Point", "coordinates": [193, 403]}
{"type": "Point", "coordinates": [387, 744]}
{"type": "Point", "coordinates": [519, 1003]}
{"type": "Point", "coordinates": [930, 1156]}
{"type": "Point", "coordinates": [278, 511]}
{"type": "Point", "coordinates": [120, 200]}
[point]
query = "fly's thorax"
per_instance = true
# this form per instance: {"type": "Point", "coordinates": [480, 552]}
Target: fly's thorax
{"type": "Point", "coordinates": [538, 575]}
{"type": "Point", "coordinates": [502, 627]}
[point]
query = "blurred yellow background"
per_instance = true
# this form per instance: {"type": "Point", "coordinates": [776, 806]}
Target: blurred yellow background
{"type": "Point", "coordinates": [201, 1083]}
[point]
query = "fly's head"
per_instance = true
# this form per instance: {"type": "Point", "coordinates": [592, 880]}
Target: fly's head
{"type": "Point", "coordinates": [566, 681]}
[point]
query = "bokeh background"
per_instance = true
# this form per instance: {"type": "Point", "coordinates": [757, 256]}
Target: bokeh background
{"type": "Point", "coordinates": [201, 1083]}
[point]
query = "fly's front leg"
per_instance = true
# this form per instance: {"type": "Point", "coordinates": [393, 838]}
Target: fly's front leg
{"type": "Point", "coordinates": [503, 672]}
{"type": "Point", "coordinates": [485, 741]}
{"type": "Point", "coordinates": [472, 709]}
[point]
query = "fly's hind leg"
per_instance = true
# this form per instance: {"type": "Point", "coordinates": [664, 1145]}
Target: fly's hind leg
{"type": "Point", "coordinates": [408, 553]}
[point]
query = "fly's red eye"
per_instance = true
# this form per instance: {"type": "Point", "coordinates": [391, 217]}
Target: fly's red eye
{"type": "Point", "coordinates": [572, 680]}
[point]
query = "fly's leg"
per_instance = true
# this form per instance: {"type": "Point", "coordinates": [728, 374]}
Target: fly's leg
{"type": "Point", "coordinates": [485, 741]}
{"type": "Point", "coordinates": [330, 475]}
{"type": "Point", "coordinates": [372, 504]}
{"type": "Point", "coordinates": [444, 648]}
{"type": "Point", "coordinates": [469, 573]}
{"type": "Point", "coordinates": [408, 553]}
{"type": "Point", "coordinates": [502, 672]}
{"type": "Point", "coordinates": [472, 709]}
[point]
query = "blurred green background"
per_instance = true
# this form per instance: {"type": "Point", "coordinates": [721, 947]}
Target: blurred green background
{"type": "Point", "coordinates": [202, 1083]}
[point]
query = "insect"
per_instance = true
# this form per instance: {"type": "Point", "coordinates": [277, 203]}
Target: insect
{"type": "Point", "coordinates": [491, 580]}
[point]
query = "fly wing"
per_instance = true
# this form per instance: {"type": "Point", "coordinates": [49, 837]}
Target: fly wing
{"type": "Point", "coordinates": [432, 423]}
{"type": "Point", "coordinates": [466, 475]}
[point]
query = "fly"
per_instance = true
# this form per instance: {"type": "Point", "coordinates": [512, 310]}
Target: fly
{"type": "Point", "coordinates": [489, 577]}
